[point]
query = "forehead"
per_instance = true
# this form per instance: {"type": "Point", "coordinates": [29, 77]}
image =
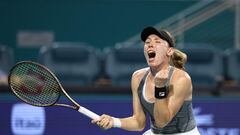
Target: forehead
{"type": "Point", "coordinates": [153, 36]}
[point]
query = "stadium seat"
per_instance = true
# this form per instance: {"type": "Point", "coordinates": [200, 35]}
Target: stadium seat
{"type": "Point", "coordinates": [6, 62]}
{"type": "Point", "coordinates": [233, 64]}
{"type": "Point", "coordinates": [121, 62]}
{"type": "Point", "coordinates": [204, 65]}
{"type": "Point", "coordinates": [6, 58]}
{"type": "Point", "coordinates": [75, 64]}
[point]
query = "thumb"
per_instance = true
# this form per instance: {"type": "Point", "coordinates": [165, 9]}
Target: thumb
{"type": "Point", "coordinates": [94, 121]}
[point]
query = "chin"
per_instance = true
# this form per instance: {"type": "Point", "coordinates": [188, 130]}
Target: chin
{"type": "Point", "coordinates": [152, 64]}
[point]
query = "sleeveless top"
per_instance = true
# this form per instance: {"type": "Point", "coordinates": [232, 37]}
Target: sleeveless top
{"type": "Point", "coordinates": [183, 121]}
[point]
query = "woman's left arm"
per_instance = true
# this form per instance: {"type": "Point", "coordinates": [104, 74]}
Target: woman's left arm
{"type": "Point", "coordinates": [165, 109]}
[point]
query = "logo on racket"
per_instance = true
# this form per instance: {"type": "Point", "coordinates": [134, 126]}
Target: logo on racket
{"type": "Point", "coordinates": [30, 81]}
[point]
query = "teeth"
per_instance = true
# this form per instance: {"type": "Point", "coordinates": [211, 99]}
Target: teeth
{"type": "Point", "coordinates": [150, 51]}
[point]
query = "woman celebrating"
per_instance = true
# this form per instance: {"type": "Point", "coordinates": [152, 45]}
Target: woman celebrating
{"type": "Point", "coordinates": [163, 90]}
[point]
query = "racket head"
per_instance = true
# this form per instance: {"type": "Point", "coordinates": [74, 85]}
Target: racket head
{"type": "Point", "coordinates": [34, 84]}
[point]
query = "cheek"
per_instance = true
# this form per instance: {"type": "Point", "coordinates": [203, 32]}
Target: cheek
{"type": "Point", "coordinates": [162, 54]}
{"type": "Point", "coordinates": [161, 51]}
{"type": "Point", "coordinates": [145, 52]}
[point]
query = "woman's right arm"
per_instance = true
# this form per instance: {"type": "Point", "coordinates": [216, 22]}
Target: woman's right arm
{"type": "Point", "coordinates": [138, 120]}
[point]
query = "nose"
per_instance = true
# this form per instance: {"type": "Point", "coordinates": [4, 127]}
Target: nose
{"type": "Point", "coordinates": [150, 45]}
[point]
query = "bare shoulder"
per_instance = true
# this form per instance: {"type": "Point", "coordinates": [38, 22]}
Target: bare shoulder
{"type": "Point", "coordinates": [182, 83]}
{"type": "Point", "coordinates": [139, 73]}
{"type": "Point", "coordinates": [181, 76]}
{"type": "Point", "coordinates": [137, 77]}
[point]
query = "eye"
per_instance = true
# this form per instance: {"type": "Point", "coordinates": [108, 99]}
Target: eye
{"type": "Point", "coordinates": [158, 41]}
{"type": "Point", "coordinates": [147, 42]}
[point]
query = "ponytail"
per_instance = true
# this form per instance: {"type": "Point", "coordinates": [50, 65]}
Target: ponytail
{"type": "Point", "coordinates": [178, 59]}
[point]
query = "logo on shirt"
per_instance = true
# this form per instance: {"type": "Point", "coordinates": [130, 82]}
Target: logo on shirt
{"type": "Point", "coordinates": [161, 94]}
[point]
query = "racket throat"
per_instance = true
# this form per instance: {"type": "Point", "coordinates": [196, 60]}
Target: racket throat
{"type": "Point", "coordinates": [68, 106]}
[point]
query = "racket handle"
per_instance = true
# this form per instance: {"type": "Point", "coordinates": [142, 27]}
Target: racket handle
{"type": "Point", "coordinates": [88, 113]}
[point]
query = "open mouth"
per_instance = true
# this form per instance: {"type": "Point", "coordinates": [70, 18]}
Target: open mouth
{"type": "Point", "coordinates": [151, 54]}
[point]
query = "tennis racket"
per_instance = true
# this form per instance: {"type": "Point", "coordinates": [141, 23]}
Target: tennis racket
{"type": "Point", "coordinates": [38, 86]}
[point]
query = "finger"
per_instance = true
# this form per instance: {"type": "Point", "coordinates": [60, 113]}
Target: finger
{"type": "Point", "coordinates": [96, 120]}
{"type": "Point", "coordinates": [110, 124]}
{"type": "Point", "coordinates": [103, 122]}
{"type": "Point", "coordinates": [100, 118]}
{"type": "Point", "coordinates": [105, 125]}
{"type": "Point", "coordinates": [105, 117]}
{"type": "Point", "coordinates": [99, 124]}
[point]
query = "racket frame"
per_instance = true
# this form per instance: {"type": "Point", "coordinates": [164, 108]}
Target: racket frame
{"type": "Point", "coordinates": [76, 107]}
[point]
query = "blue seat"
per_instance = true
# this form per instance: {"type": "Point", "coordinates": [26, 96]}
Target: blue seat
{"type": "Point", "coordinates": [233, 64]}
{"type": "Point", "coordinates": [6, 58]}
{"type": "Point", "coordinates": [121, 62]}
{"type": "Point", "coordinates": [73, 63]}
{"type": "Point", "coordinates": [6, 62]}
{"type": "Point", "coordinates": [204, 65]}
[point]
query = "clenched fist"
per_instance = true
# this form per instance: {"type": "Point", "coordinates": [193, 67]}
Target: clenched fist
{"type": "Point", "coordinates": [161, 78]}
{"type": "Point", "coordinates": [105, 122]}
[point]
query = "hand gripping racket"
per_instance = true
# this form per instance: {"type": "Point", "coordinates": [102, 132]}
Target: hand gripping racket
{"type": "Point", "coordinates": [38, 86]}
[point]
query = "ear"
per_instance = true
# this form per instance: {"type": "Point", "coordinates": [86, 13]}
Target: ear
{"type": "Point", "coordinates": [170, 51]}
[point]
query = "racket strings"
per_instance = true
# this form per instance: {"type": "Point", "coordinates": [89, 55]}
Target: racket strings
{"type": "Point", "coordinates": [34, 84]}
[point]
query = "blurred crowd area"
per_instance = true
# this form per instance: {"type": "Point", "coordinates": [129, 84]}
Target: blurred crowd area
{"type": "Point", "coordinates": [83, 68]}
{"type": "Point", "coordinates": [94, 47]}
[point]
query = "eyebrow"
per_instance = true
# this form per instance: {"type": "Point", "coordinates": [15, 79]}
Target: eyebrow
{"type": "Point", "coordinates": [157, 38]}
{"type": "Point", "coordinates": [148, 39]}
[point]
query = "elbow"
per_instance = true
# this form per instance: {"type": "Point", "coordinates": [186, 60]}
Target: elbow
{"type": "Point", "coordinates": [161, 124]}
{"type": "Point", "coordinates": [140, 129]}
{"type": "Point", "coordinates": [141, 126]}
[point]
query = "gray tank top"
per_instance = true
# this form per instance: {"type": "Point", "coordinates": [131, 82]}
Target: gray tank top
{"type": "Point", "coordinates": [183, 121]}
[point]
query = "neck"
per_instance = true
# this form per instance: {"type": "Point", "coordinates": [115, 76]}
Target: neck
{"type": "Point", "coordinates": [155, 70]}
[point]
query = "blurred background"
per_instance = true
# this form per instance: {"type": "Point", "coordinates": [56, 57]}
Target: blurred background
{"type": "Point", "coordinates": [93, 47]}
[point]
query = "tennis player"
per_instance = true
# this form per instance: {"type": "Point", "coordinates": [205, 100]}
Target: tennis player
{"type": "Point", "coordinates": [163, 90]}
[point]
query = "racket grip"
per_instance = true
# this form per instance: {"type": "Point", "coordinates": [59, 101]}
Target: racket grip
{"type": "Point", "coordinates": [88, 113]}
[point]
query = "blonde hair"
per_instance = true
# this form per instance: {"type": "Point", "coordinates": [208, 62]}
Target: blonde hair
{"type": "Point", "coordinates": [178, 59]}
